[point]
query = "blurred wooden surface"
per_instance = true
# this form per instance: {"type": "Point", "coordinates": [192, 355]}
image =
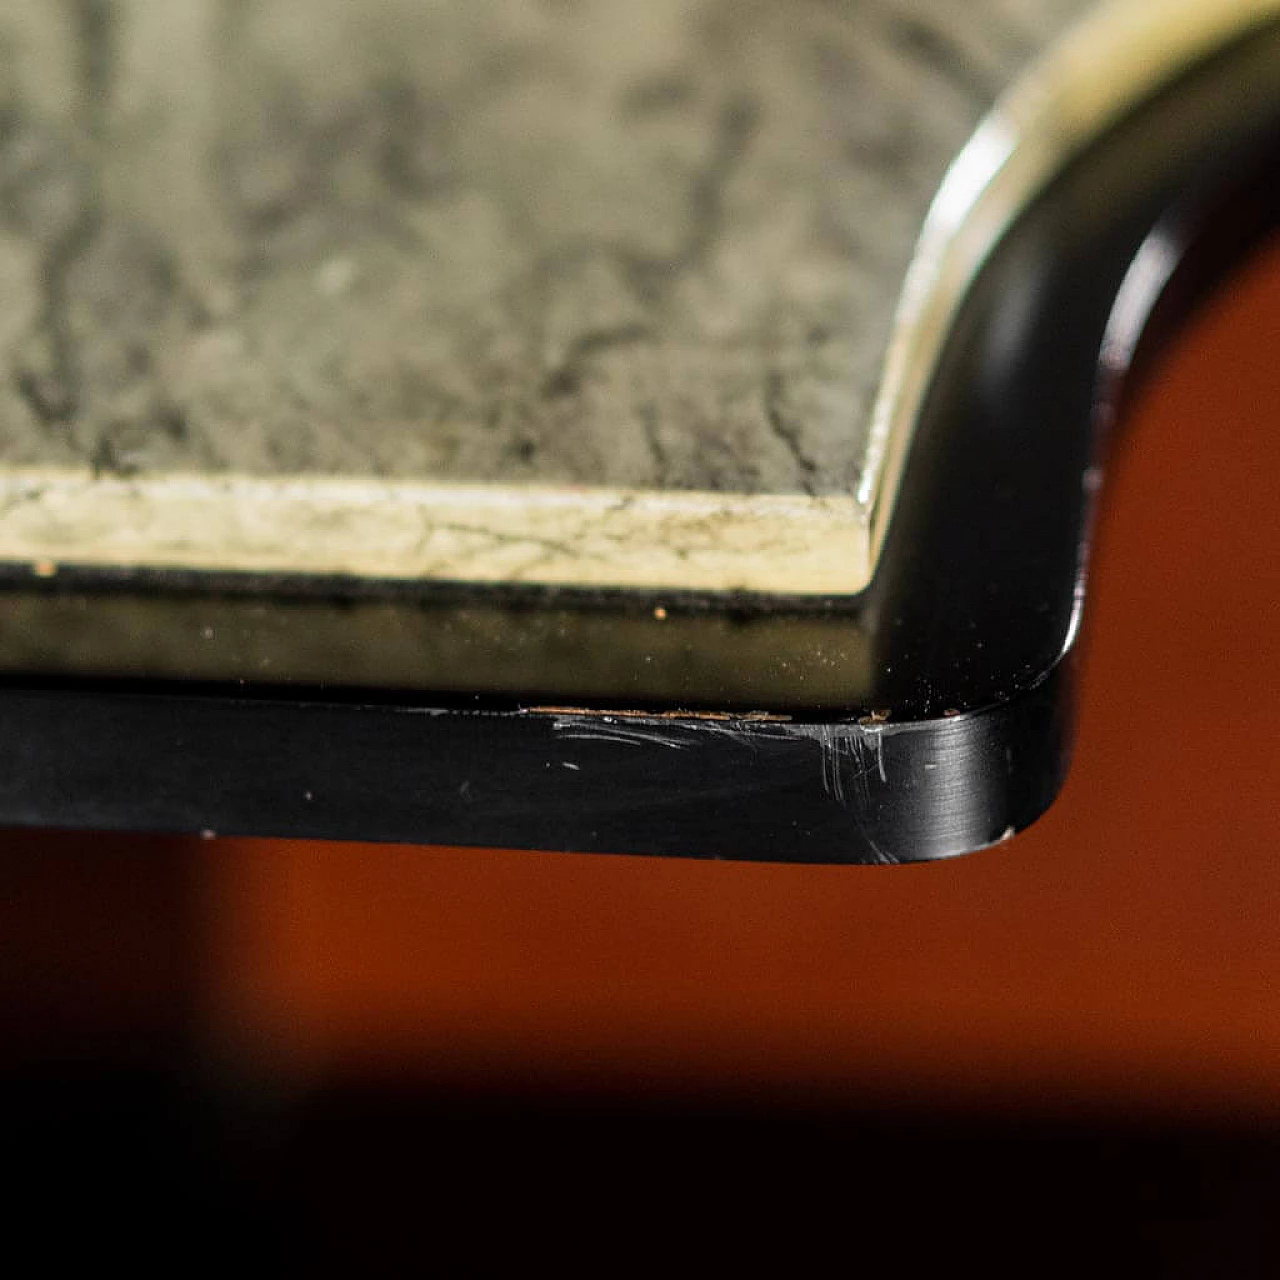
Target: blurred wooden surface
{"type": "Point", "coordinates": [1124, 954]}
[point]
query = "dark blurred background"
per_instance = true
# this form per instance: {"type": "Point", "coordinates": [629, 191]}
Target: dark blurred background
{"type": "Point", "coordinates": [376, 1055]}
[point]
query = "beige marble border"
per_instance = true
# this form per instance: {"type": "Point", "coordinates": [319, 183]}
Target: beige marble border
{"type": "Point", "coordinates": [410, 531]}
{"type": "Point", "coordinates": [789, 544]}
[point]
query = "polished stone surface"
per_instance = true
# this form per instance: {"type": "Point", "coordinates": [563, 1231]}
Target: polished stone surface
{"type": "Point", "coordinates": [646, 245]}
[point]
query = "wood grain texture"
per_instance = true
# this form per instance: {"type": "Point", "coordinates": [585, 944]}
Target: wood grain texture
{"type": "Point", "coordinates": [578, 241]}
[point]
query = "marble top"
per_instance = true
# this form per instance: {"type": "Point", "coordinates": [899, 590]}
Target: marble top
{"type": "Point", "coordinates": [547, 242]}
{"type": "Point", "coordinates": [570, 292]}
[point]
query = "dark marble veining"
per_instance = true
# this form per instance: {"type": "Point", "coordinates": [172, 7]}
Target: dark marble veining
{"type": "Point", "coordinates": [525, 241]}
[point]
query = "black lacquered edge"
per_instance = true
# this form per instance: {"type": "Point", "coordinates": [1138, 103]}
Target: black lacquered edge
{"type": "Point", "coordinates": [714, 788]}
